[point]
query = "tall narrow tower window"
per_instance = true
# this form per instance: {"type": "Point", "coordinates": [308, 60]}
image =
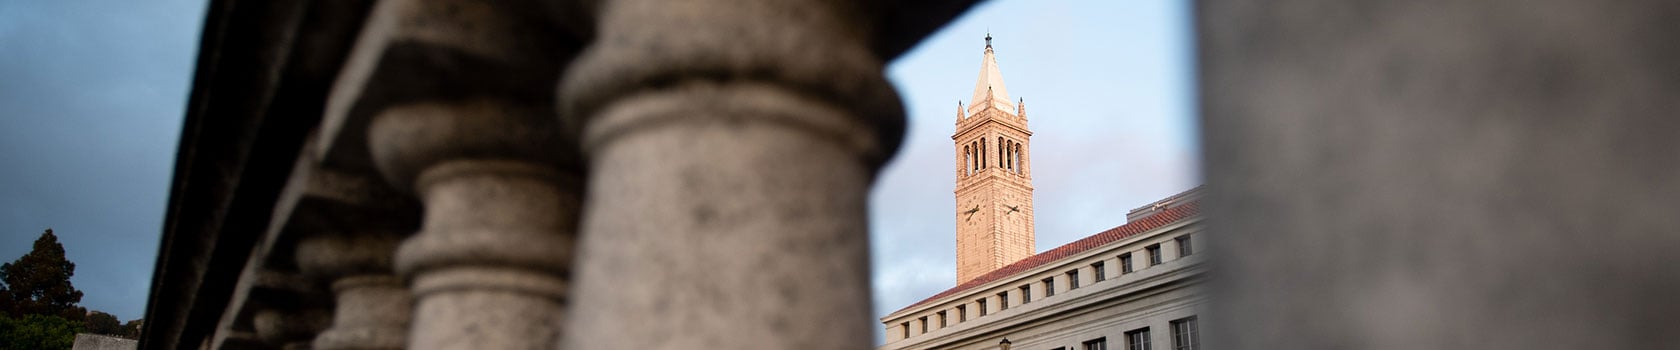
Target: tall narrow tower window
{"type": "Point", "coordinates": [1015, 157]}
{"type": "Point", "coordinates": [968, 160]}
{"type": "Point", "coordinates": [1003, 154]}
{"type": "Point", "coordinates": [1009, 155]}
{"type": "Point", "coordinates": [1000, 152]}
{"type": "Point", "coordinates": [1018, 159]}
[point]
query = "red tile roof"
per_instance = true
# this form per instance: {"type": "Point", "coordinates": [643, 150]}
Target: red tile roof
{"type": "Point", "coordinates": [1165, 217]}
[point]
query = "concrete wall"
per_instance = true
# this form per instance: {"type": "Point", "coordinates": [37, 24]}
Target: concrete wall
{"type": "Point", "coordinates": [1442, 174]}
{"type": "Point", "coordinates": [86, 341]}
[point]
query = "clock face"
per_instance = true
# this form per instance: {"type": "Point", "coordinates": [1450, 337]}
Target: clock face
{"type": "Point", "coordinates": [968, 214]}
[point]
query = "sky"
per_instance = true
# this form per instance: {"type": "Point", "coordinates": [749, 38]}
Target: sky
{"type": "Point", "coordinates": [92, 94]}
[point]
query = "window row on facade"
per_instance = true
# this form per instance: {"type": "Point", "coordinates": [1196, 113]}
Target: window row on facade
{"type": "Point", "coordinates": [1074, 278]}
{"type": "Point", "coordinates": [1008, 156]}
{"type": "Point", "coordinates": [1185, 335]}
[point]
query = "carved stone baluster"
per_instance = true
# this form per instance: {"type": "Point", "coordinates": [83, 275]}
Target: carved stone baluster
{"type": "Point", "coordinates": [732, 144]}
{"type": "Point", "coordinates": [289, 310]}
{"type": "Point", "coordinates": [457, 101]}
{"type": "Point", "coordinates": [371, 308]}
{"type": "Point", "coordinates": [290, 329]}
{"type": "Point", "coordinates": [489, 265]}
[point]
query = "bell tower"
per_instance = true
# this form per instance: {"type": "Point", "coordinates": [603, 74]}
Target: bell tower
{"type": "Point", "coordinates": [994, 176]}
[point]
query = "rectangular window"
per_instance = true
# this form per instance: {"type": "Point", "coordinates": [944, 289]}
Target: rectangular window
{"type": "Point", "coordinates": [1097, 344]}
{"type": "Point", "coordinates": [1184, 334]}
{"type": "Point", "coordinates": [1049, 287]}
{"type": "Point", "coordinates": [982, 303]}
{"type": "Point", "coordinates": [1154, 254]}
{"type": "Point", "coordinates": [1003, 300]}
{"type": "Point", "coordinates": [1184, 248]}
{"type": "Point", "coordinates": [962, 313]}
{"type": "Point", "coordinates": [1098, 270]}
{"type": "Point", "coordinates": [906, 327]}
{"type": "Point", "coordinates": [1126, 263]}
{"type": "Point", "coordinates": [924, 324]}
{"type": "Point", "coordinates": [1026, 294]}
{"type": "Point", "coordinates": [1138, 339]}
{"type": "Point", "coordinates": [942, 322]}
{"type": "Point", "coordinates": [1073, 279]}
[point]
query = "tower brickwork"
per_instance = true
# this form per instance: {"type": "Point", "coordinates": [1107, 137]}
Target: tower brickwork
{"type": "Point", "coordinates": [994, 177]}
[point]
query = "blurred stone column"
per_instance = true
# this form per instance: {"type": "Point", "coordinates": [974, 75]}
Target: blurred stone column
{"type": "Point", "coordinates": [463, 117]}
{"type": "Point", "coordinates": [289, 313]}
{"type": "Point", "coordinates": [371, 308]}
{"type": "Point", "coordinates": [732, 144]}
{"type": "Point", "coordinates": [1442, 174]}
{"type": "Point", "coordinates": [489, 265]}
{"type": "Point", "coordinates": [290, 329]}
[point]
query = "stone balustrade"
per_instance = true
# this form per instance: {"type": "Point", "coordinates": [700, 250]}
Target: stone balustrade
{"type": "Point", "coordinates": [506, 174]}
{"type": "Point", "coordinates": [500, 174]}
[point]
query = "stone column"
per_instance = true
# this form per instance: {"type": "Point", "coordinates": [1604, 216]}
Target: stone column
{"type": "Point", "coordinates": [289, 310]}
{"type": "Point", "coordinates": [1497, 174]}
{"type": "Point", "coordinates": [458, 101]}
{"type": "Point", "coordinates": [489, 265]}
{"type": "Point", "coordinates": [289, 329]}
{"type": "Point", "coordinates": [732, 144]}
{"type": "Point", "coordinates": [371, 308]}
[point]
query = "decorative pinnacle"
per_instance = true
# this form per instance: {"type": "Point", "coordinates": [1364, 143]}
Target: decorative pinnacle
{"type": "Point", "coordinates": [988, 39]}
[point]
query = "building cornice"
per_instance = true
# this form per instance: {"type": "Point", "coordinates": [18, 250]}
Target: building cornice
{"type": "Point", "coordinates": [1062, 263]}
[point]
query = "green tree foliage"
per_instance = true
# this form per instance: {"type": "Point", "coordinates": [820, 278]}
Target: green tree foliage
{"type": "Point", "coordinates": [37, 332]}
{"type": "Point", "coordinates": [37, 303]}
{"type": "Point", "coordinates": [99, 322]}
{"type": "Point", "coordinates": [131, 330]}
{"type": "Point", "coordinates": [39, 282]}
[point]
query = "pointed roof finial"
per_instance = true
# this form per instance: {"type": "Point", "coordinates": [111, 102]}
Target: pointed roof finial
{"type": "Point", "coordinates": [988, 87]}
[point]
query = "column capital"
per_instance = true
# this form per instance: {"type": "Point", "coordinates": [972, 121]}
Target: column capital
{"type": "Point", "coordinates": [450, 52]}
{"type": "Point", "coordinates": [656, 54]}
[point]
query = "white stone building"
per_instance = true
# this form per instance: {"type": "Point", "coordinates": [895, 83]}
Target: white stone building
{"type": "Point", "coordinates": [1121, 288]}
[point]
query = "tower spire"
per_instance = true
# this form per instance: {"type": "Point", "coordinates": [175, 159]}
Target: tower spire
{"type": "Point", "coordinates": [989, 86]}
